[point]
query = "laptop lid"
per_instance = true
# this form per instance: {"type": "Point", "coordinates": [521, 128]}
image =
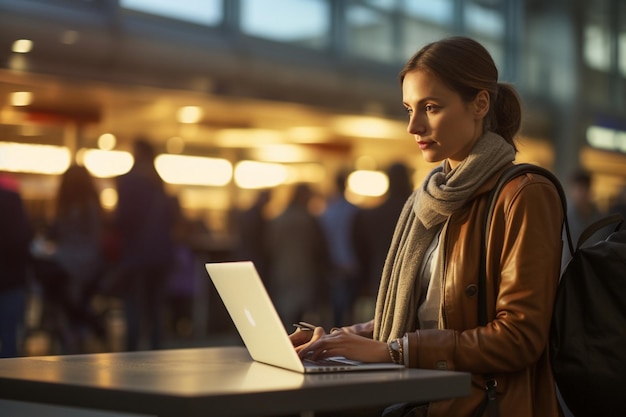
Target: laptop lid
{"type": "Point", "coordinates": [258, 323]}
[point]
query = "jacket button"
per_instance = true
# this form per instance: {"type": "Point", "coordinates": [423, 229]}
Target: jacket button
{"type": "Point", "coordinates": [471, 290]}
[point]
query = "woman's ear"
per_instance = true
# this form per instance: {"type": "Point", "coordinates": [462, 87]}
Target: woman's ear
{"type": "Point", "coordinates": [481, 104]}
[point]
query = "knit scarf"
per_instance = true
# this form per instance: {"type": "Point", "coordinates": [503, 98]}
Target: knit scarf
{"type": "Point", "coordinates": [443, 192]}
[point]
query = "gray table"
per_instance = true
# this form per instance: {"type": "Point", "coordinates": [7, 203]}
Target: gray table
{"type": "Point", "coordinates": [217, 381]}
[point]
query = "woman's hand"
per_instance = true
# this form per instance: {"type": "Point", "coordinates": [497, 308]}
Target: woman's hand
{"type": "Point", "coordinates": [300, 336]}
{"type": "Point", "coordinates": [342, 343]}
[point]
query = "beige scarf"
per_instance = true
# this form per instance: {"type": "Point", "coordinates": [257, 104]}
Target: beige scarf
{"type": "Point", "coordinates": [443, 192]}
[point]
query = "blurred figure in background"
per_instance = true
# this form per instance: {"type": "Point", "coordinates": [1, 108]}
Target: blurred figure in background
{"type": "Point", "coordinates": [337, 222]}
{"type": "Point", "coordinates": [252, 234]}
{"type": "Point", "coordinates": [298, 258]}
{"type": "Point", "coordinates": [581, 210]}
{"type": "Point", "coordinates": [619, 205]}
{"type": "Point", "coordinates": [144, 218]}
{"type": "Point", "coordinates": [373, 228]}
{"type": "Point", "coordinates": [74, 263]}
{"type": "Point", "coordinates": [15, 238]}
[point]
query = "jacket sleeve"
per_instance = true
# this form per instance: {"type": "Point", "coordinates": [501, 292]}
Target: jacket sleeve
{"type": "Point", "coordinates": [523, 262]}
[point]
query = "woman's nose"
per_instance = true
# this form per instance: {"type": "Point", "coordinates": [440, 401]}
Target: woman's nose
{"type": "Point", "coordinates": [416, 126]}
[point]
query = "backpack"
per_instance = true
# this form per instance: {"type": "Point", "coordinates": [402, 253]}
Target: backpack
{"type": "Point", "coordinates": [587, 340]}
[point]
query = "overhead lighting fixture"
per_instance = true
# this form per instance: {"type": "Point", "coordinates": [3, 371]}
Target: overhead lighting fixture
{"type": "Point", "coordinates": [368, 183]}
{"type": "Point", "coordinates": [34, 159]}
{"type": "Point", "coordinates": [21, 98]}
{"type": "Point", "coordinates": [255, 175]}
{"type": "Point", "coordinates": [368, 127]}
{"type": "Point", "coordinates": [22, 46]}
{"type": "Point", "coordinates": [281, 153]}
{"type": "Point", "coordinates": [193, 170]}
{"type": "Point", "coordinates": [189, 114]}
{"type": "Point", "coordinates": [105, 164]}
{"type": "Point", "coordinates": [107, 141]}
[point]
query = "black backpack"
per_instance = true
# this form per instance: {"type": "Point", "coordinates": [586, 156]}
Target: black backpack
{"type": "Point", "coordinates": [588, 332]}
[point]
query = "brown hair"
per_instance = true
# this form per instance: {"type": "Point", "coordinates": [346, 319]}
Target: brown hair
{"type": "Point", "coordinates": [467, 68]}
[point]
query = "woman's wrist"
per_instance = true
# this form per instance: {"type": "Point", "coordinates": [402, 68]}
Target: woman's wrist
{"type": "Point", "coordinates": [398, 350]}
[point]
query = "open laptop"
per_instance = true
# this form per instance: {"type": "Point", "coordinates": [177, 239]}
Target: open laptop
{"type": "Point", "coordinates": [251, 309]}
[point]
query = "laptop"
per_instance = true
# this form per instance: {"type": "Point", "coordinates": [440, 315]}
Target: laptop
{"type": "Point", "coordinates": [260, 327]}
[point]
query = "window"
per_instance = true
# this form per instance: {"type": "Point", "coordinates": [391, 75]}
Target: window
{"type": "Point", "coordinates": [204, 12]}
{"type": "Point", "coordinates": [299, 22]}
{"type": "Point", "coordinates": [485, 22]}
{"type": "Point", "coordinates": [369, 33]}
{"type": "Point", "coordinates": [621, 40]}
{"type": "Point", "coordinates": [597, 36]}
{"type": "Point", "coordinates": [425, 22]}
{"type": "Point", "coordinates": [440, 11]}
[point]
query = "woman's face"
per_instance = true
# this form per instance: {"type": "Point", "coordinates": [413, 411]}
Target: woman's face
{"type": "Point", "coordinates": [443, 125]}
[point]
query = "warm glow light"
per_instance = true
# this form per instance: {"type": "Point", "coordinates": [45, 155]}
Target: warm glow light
{"type": "Point", "coordinates": [108, 198]}
{"type": "Point", "coordinates": [368, 183]}
{"type": "Point", "coordinates": [22, 46]}
{"type": "Point", "coordinates": [189, 114]}
{"type": "Point", "coordinates": [281, 153]}
{"type": "Point", "coordinates": [368, 127]}
{"type": "Point", "coordinates": [21, 98]}
{"type": "Point", "coordinates": [247, 137]}
{"type": "Point", "coordinates": [312, 173]}
{"type": "Point", "coordinates": [36, 159]}
{"type": "Point", "coordinates": [252, 174]}
{"type": "Point", "coordinates": [105, 164]}
{"type": "Point", "coordinates": [308, 134]}
{"type": "Point", "coordinates": [107, 141]}
{"type": "Point", "coordinates": [605, 138]}
{"type": "Point", "coordinates": [193, 170]}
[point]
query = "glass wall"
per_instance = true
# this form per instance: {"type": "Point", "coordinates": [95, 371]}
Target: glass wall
{"type": "Point", "coordinates": [205, 12]}
{"type": "Point", "coordinates": [299, 22]}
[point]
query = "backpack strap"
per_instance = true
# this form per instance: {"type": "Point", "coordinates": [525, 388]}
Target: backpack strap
{"type": "Point", "coordinates": [490, 402]}
{"type": "Point", "coordinates": [510, 173]}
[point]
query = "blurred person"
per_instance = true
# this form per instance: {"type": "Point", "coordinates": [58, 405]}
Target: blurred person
{"type": "Point", "coordinates": [252, 225]}
{"type": "Point", "coordinates": [373, 227]}
{"type": "Point", "coordinates": [581, 210]}
{"type": "Point", "coordinates": [619, 205]}
{"type": "Point", "coordinates": [343, 275]}
{"type": "Point", "coordinates": [298, 257]}
{"type": "Point", "coordinates": [15, 238]}
{"type": "Point", "coordinates": [144, 218]}
{"type": "Point", "coordinates": [427, 310]}
{"type": "Point", "coordinates": [75, 260]}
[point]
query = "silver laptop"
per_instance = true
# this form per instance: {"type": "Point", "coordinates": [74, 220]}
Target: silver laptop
{"type": "Point", "coordinates": [260, 327]}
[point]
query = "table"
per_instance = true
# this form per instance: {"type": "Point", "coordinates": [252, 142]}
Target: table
{"type": "Point", "coordinates": [213, 381]}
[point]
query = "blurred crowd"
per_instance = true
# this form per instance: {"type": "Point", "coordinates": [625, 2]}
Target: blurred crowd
{"type": "Point", "coordinates": [94, 281]}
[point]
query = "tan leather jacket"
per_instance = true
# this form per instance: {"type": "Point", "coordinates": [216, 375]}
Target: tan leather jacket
{"type": "Point", "coordinates": [523, 261]}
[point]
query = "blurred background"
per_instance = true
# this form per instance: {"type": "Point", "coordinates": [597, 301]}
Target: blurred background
{"type": "Point", "coordinates": [242, 95]}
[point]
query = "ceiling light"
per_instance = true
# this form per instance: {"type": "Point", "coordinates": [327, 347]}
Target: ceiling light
{"type": "Point", "coordinates": [255, 175]}
{"type": "Point", "coordinates": [22, 46]}
{"type": "Point", "coordinates": [189, 114]}
{"type": "Point", "coordinates": [105, 164]}
{"type": "Point", "coordinates": [368, 183]}
{"type": "Point", "coordinates": [36, 159]}
{"type": "Point", "coordinates": [21, 98]}
{"type": "Point", "coordinates": [193, 170]}
{"type": "Point", "coordinates": [107, 141]}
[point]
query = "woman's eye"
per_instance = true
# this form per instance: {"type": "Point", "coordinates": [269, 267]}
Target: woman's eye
{"type": "Point", "coordinates": [409, 111]}
{"type": "Point", "coordinates": [429, 108]}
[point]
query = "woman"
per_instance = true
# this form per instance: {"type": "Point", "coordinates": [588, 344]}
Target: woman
{"type": "Point", "coordinates": [426, 310]}
{"type": "Point", "coordinates": [70, 272]}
